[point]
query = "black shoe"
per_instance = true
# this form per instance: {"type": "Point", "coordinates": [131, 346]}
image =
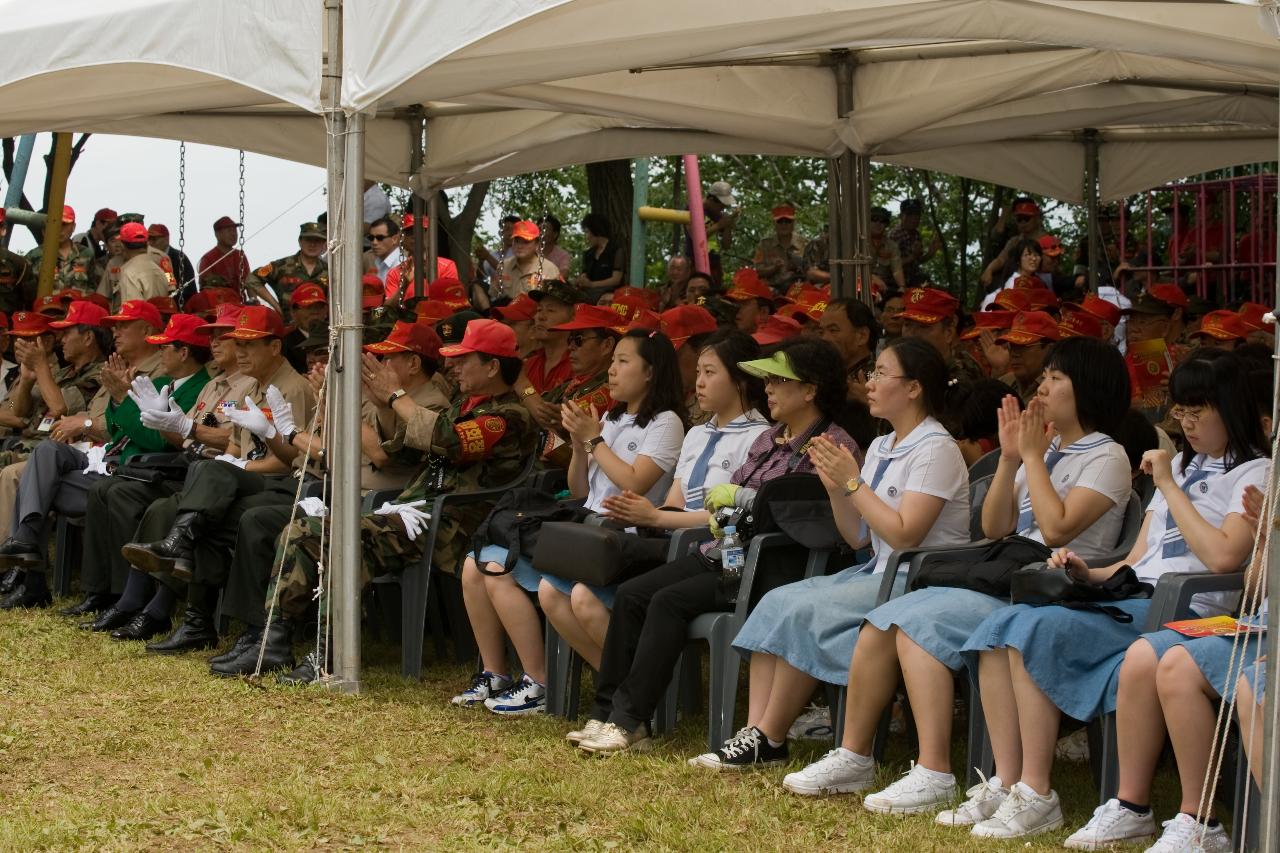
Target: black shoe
{"type": "Point", "coordinates": [195, 632]}
{"type": "Point", "coordinates": [747, 749]}
{"type": "Point", "coordinates": [250, 637]}
{"type": "Point", "coordinates": [21, 599]}
{"type": "Point", "coordinates": [277, 655]}
{"type": "Point", "coordinates": [9, 581]}
{"type": "Point", "coordinates": [94, 602]}
{"type": "Point", "coordinates": [172, 555]}
{"type": "Point", "coordinates": [303, 674]}
{"type": "Point", "coordinates": [141, 627]}
{"type": "Point", "coordinates": [14, 553]}
{"type": "Point", "coordinates": [110, 619]}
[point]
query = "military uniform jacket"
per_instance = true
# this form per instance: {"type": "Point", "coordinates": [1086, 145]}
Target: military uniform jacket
{"type": "Point", "coordinates": [432, 394]}
{"type": "Point", "coordinates": [140, 278]}
{"type": "Point", "coordinates": [475, 444]}
{"type": "Point", "coordinates": [297, 392]}
{"type": "Point", "coordinates": [69, 272]}
{"type": "Point", "coordinates": [964, 368]}
{"type": "Point", "coordinates": [286, 274]}
{"type": "Point", "coordinates": [17, 282]}
{"type": "Point", "coordinates": [222, 390]}
{"type": "Point", "coordinates": [124, 421]}
{"type": "Point", "coordinates": [78, 386]}
{"type": "Point", "coordinates": [584, 392]}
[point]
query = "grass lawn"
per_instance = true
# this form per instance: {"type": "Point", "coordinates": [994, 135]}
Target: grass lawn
{"type": "Point", "coordinates": [105, 746]}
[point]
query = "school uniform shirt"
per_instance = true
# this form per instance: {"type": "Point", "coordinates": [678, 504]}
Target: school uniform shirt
{"type": "Point", "coordinates": [927, 461]}
{"type": "Point", "coordinates": [1094, 462]}
{"type": "Point", "coordinates": [660, 441]}
{"type": "Point", "coordinates": [726, 450]}
{"type": "Point", "coordinates": [1216, 493]}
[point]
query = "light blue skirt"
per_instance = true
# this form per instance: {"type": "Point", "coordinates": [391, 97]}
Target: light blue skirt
{"type": "Point", "coordinates": [1256, 673]}
{"type": "Point", "coordinates": [938, 619]}
{"type": "Point", "coordinates": [1211, 654]}
{"type": "Point", "coordinates": [528, 577]}
{"type": "Point", "coordinates": [813, 624]}
{"type": "Point", "coordinates": [1071, 655]}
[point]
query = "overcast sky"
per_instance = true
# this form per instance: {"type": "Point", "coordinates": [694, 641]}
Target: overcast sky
{"type": "Point", "coordinates": [133, 174]}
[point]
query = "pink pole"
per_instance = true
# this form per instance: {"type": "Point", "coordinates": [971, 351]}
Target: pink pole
{"type": "Point", "coordinates": [697, 217]}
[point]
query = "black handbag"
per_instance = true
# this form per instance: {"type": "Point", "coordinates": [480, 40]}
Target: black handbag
{"type": "Point", "coordinates": [599, 556]}
{"type": "Point", "coordinates": [991, 574]}
{"type": "Point", "coordinates": [1042, 585]}
{"type": "Point", "coordinates": [515, 523]}
{"type": "Point", "coordinates": [155, 467]}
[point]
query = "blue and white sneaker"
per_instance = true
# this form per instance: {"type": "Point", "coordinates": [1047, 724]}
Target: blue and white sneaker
{"type": "Point", "coordinates": [483, 685]}
{"type": "Point", "coordinates": [524, 697]}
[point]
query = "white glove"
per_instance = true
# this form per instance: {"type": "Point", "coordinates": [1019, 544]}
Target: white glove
{"type": "Point", "coordinates": [143, 392]}
{"type": "Point", "coordinates": [281, 411]}
{"type": "Point", "coordinates": [313, 507]}
{"type": "Point", "coordinates": [97, 460]}
{"type": "Point", "coordinates": [415, 520]}
{"type": "Point", "coordinates": [172, 419]}
{"type": "Point", "coordinates": [231, 460]}
{"type": "Point", "coordinates": [252, 419]}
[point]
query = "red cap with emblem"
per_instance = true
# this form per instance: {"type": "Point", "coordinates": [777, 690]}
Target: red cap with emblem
{"type": "Point", "coordinates": [1080, 324]}
{"type": "Point", "coordinates": [519, 309]}
{"type": "Point", "coordinates": [448, 290]}
{"type": "Point", "coordinates": [432, 311]}
{"type": "Point", "coordinates": [650, 321]}
{"type": "Point", "coordinates": [1222, 326]}
{"type": "Point", "coordinates": [994, 320]}
{"type": "Point", "coordinates": [525, 230]}
{"type": "Point", "coordinates": [627, 307]}
{"type": "Point", "coordinates": [1032, 327]}
{"type": "Point", "coordinates": [776, 329]}
{"type": "Point", "coordinates": [182, 329]}
{"type": "Point", "coordinates": [409, 337]}
{"type": "Point", "coordinates": [51, 305]}
{"type": "Point", "coordinates": [166, 305]}
{"type": "Point", "coordinates": [28, 324]}
{"type": "Point", "coordinates": [593, 317]}
{"type": "Point", "coordinates": [228, 316]}
{"type": "Point", "coordinates": [685, 321]}
{"type": "Point", "coordinates": [136, 309]}
{"type": "Point", "coordinates": [487, 336]}
{"type": "Point", "coordinates": [1025, 298]}
{"type": "Point", "coordinates": [1169, 294]}
{"type": "Point", "coordinates": [82, 313]}
{"type": "Point", "coordinates": [747, 284]}
{"type": "Point", "coordinates": [1251, 314]}
{"type": "Point", "coordinates": [1097, 306]}
{"type": "Point", "coordinates": [257, 321]}
{"type": "Point", "coordinates": [649, 298]}
{"type": "Point", "coordinates": [310, 293]}
{"type": "Point", "coordinates": [928, 305]}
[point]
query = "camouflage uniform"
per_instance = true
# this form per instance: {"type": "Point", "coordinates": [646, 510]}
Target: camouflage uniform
{"type": "Point", "coordinates": [285, 274]}
{"type": "Point", "coordinates": [962, 366]}
{"type": "Point", "coordinates": [484, 446]}
{"type": "Point", "coordinates": [79, 386]}
{"type": "Point", "coordinates": [585, 392]}
{"type": "Point", "coordinates": [17, 282]}
{"type": "Point", "coordinates": [769, 250]}
{"type": "Point", "coordinates": [69, 272]}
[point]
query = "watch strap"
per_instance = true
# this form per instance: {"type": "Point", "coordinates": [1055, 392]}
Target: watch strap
{"type": "Point", "coordinates": [396, 395]}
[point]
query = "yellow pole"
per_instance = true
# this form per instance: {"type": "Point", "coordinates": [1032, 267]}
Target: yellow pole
{"type": "Point", "coordinates": [53, 219]}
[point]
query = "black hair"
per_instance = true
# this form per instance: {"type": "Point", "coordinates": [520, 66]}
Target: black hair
{"type": "Point", "coordinates": [552, 220]}
{"type": "Point", "coordinates": [1026, 244]}
{"type": "Point", "coordinates": [510, 219]}
{"type": "Point", "coordinates": [1256, 356]}
{"type": "Point", "coordinates": [101, 336]}
{"type": "Point", "coordinates": [431, 366]}
{"type": "Point", "coordinates": [731, 347]}
{"type": "Point", "coordinates": [921, 362]}
{"type": "Point", "coordinates": [1136, 435]}
{"type": "Point", "coordinates": [200, 355]}
{"type": "Point", "coordinates": [508, 368]}
{"type": "Point", "coordinates": [1264, 390]}
{"type": "Point", "coordinates": [666, 391]}
{"type": "Point", "coordinates": [393, 227]}
{"type": "Point", "coordinates": [704, 276]}
{"type": "Point", "coordinates": [860, 317]}
{"type": "Point", "coordinates": [972, 407]}
{"type": "Point", "coordinates": [597, 224]}
{"type": "Point", "coordinates": [1099, 380]}
{"type": "Point", "coordinates": [817, 362]}
{"type": "Point", "coordinates": [1222, 383]}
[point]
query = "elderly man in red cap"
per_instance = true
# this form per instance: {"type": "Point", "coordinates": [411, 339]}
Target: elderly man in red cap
{"type": "Point", "coordinates": [780, 258]}
{"type": "Point", "coordinates": [932, 314]}
{"type": "Point", "coordinates": [523, 270]}
{"type": "Point", "coordinates": [1029, 339]}
{"type": "Point", "coordinates": [139, 276]}
{"type": "Point", "coordinates": [74, 264]}
{"type": "Point", "coordinates": [752, 297]}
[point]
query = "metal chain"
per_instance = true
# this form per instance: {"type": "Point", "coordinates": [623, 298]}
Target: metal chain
{"type": "Point", "coordinates": [182, 197]}
{"type": "Point", "coordinates": [240, 239]}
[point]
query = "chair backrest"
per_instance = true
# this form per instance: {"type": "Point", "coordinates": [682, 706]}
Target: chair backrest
{"type": "Point", "coordinates": [1132, 525]}
{"type": "Point", "coordinates": [985, 465]}
{"type": "Point", "coordinates": [978, 488]}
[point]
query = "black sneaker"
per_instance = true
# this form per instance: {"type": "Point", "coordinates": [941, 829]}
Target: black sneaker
{"type": "Point", "coordinates": [748, 748]}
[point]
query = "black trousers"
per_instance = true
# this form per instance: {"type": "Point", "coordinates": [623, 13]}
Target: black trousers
{"type": "Point", "coordinates": [115, 508]}
{"type": "Point", "coordinates": [251, 566]}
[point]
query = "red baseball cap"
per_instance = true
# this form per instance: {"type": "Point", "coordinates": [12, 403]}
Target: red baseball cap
{"type": "Point", "coordinates": [1051, 245]}
{"type": "Point", "coordinates": [136, 309]}
{"type": "Point", "coordinates": [417, 338]}
{"type": "Point", "coordinates": [51, 305]}
{"type": "Point", "coordinates": [1251, 314]}
{"type": "Point", "coordinates": [1097, 306]}
{"type": "Point", "coordinates": [106, 215]}
{"type": "Point", "coordinates": [157, 229]}
{"type": "Point", "coordinates": [407, 221]}
{"type": "Point", "coordinates": [133, 234]}
{"type": "Point", "coordinates": [99, 300]}
{"type": "Point", "coordinates": [68, 214]}
{"type": "Point", "coordinates": [525, 230]}
{"type": "Point", "coordinates": [166, 305]}
{"type": "Point", "coordinates": [310, 293]}
{"type": "Point", "coordinates": [994, 320]}
{"type": "Point", "coordinates": [650, 298]}
{"type": "Point", "coordinates": [210, 298]}
{"type": "Point", "coordinates": [487, 336]}
{"type": "Point", "coordinates": [29, 324]}
{"type": "Point", "coordinates": [783, 211]}
{"type": "Point", "coordinates": [747, 284]}
{"type": "Point", "coordinates": [1032, 327]}
{"type": "Point", "coordinates": [228, 316]}
{"type": "Point", "coordinates": [182, 329]}
{"type": "Point", "coordinates": [1025, 298]}
{"type": "Point", "coordinates": [69, 295]}
{"type": "Point", "coordinates": [1080, 324]}
{"type": "Point", "coordinates": [650, 321]}
{"type": "Point", "coordinates": [450, 291]}
{"type": "Point", "coordinates": [776, 329]}
{"type": "Point", "coordinates": [685, 321]}
{"type": "Point", "coordinates": [1223, 326]}
{"type": "Point", "coordinates": [81, 313]}
{"type": "Point", "coordinates": [371, 291]}
{"type": "Point", "coordinates": [928, 305]}
{"type": "Point", "coordinates": [627, 307]}
{"type": "Point", "coordinates": [4, 319]}
{"type": "Point", "coordinates": [225, 222]}
{"type": "Point", "coordinates": [519, 309]}
{"type": "Point", "coordinates": [1170, 294]}
{"type": "Point", "coordinates": [593, 317]}
{"type": "Point", "coordinates": [1026, 208]}
{"type": "Point", "coordinates": [433, 311]}
{"type": "Point", "coordinates": [256, 322]}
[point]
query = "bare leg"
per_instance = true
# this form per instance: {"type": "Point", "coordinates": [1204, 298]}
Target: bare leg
{"type": "Point", "coordinates": [1140, 729]}
{"type": "Point", "coordinates": [1248, 710]}
{"type": "Point", "coordinates": [590, 613]}
{"type": "Point", "coordinates": [485, 624]}
{"type": "Point", "coordinates": [1038, 721]}
{"type": "Point", "coordinates": [760, 684]}
{"type": "Point", "coordinates": [521, 622]}
{"type": "Point", "coordinates": [932, 691]}
{"type": "Point", "coordinates": [873, 679]}
{"type": "Point", "coordinates": [791, 690]}
{"type": "Point", "coordinates": [1187, 699]}
{"type": "Point", "coordinates": [560, 611]}
{"type": "Point", "coordinates": [1001, 712]}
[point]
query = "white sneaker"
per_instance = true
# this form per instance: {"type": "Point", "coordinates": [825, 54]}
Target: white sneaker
{"type": "Point", "coordinates": [591, 729]}
{"type": "Point", "coordinates": [813, 724]}
{"type": "Point", "coordinates": [919, 790]}
{"type": "Point", "coordinates": [613, 738]}
{"type": "Point", "coordinates": [526, 696]}
{"type": "Point", "coordinates": [1023, 812]}
{"type": "Point", "coordinates": [483, 685]}
{"type": "Point", "coordinates": [837, 772]}
{"type": "Point", "coordinates": [1112, 824]}
{"type": "Point", "coordinates": [984, 799]}
{"type": "Point", "coordinates": [1182, 835]}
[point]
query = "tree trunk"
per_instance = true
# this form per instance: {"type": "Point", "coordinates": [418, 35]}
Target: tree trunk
{"type": "Point", "coordinates": [459, 230]}
{"type": "Point", "coordinates": [609, 189]}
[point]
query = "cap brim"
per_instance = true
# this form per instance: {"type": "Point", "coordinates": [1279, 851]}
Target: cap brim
{"type": "Point", "coordinates": [27, 333]}
{"type": "Point", "coordinates": [1022, 339]}
{"type": "Point", "coordinates": [210, 328]}
{"type": "Point", "coordinates": [387, 347]}
{"type": "Point", "coordinates": [921, 317]}
{"type": "Point", "coordinates": [61, 324]}
{"type": "Point", "coordinates": [1216, 334]}
{"type": "Point", "coordinates": [762, 368]}
{"type": "Point", "coordinates": [241, 334]}
{"type": "Point", "coordinates": [726, 200]}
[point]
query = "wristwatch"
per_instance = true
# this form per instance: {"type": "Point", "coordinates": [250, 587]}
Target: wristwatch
{"type": "Point", "coordinates": [592, 443]}
{"type": "Point", "coordinates": [88, 424]}
{"type": "Point", "coordinates": [853, 484]}
{"type": "Point", "coordinates": [529, 391]}
{"type": "Point", "coordinates": [396, 395]}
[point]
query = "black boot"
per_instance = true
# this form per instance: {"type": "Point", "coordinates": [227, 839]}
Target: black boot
{"type": "Point", "coordinates": [306, 672]}
{"type": "Point", "coordinates": [174, 554]}
{"type": "Point", "coordinates": [9, 581]}
{"type": "Point", "coordinates": [144, 626]}
{"type": "Point", "coordinates": [94, 602]}
{"type": "Point", "coordinates": [277, 655]}
{"type": "Point", "coordinates": [23, 598]}
{"type": "Point", "coordinates": [250, 637]}
{"type": "Point", "coordinates": [14, 553]}
{"type": "Point", "coordinates": [110, 619]}
{"type": "Point", "coordinates": [195, 632]}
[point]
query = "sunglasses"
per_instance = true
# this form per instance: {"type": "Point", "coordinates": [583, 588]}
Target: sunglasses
{"type": "Point", "coordinates": [379, 237]}
{"type": "Point", "coordinates": [577, 339]}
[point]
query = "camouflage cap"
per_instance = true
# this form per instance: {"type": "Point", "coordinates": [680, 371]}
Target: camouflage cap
{"type": "Point", "coordinates": [126, 218]}
{"type": "Point", "coordinates": [317, 338]}
{"type": "Point", "coordinates": [452, 328]}
{"type": "Point", "coordinates": [311, 229]}
{"type": "Point", "coordinates": [561, 290]}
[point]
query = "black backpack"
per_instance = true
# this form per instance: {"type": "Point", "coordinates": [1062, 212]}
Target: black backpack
{"type": "Point", "coordinates": [516, 519]}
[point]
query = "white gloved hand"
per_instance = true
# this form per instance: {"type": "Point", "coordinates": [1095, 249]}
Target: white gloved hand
{"type": "Point", "coordinates": [231, 460]}
{"type": "Point", "coordinates": [415, 520]}
{"type": "Point", "coordinates": [281, 411]}
{"type": "Point", "coordinates": [97, 460]}
{"type": "Point", "coordinates": [252, 419]}
{"type": "Point", "coordinates": [143, 392]}
{"type": "Point", "coordinates": [173, 419]}
{"type": "Point", "coordinates": [313, 507]}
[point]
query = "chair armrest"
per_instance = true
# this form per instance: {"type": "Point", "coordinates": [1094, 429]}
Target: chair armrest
{"type": "Point", "coordinates": [1174, 591]}
{"type": "Point", "coordinates": [686, 539]}
{"type": "Point", "coordinates": [376, 498]}
{"type": "Point", "coordinates": [550, 480]}
{"type": "Point", "coordinates": [758, 544]}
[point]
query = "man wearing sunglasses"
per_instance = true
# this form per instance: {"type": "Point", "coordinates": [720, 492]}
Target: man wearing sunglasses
{"type": "Point", "coordinates": [591, 336]}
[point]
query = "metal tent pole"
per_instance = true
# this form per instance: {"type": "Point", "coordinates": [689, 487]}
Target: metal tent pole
{"type": "Point", "coordinates": [423, 259]}
{"type": "Point", "coordinates": [640, 194]}
{"type": "Point", "coordinates": [53, 222]}
{"type": "Point", "coordinates": [835, 231]}
{"type": "Point", "coordinates": [1091, 186]}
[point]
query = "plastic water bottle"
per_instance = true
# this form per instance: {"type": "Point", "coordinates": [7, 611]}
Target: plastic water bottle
{"type": "Point", "coordinates": [732, 560]}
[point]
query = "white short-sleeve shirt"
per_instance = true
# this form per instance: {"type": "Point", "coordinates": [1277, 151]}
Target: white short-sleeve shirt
{"type": "Point", "coordinates": [1214, 497]}
{"type": "Point", "coordinates": [660, 441]}
{"type": "Point", "coordinates": [1094, 462]}
{"type": "Point", "coordinates": [928, 461]}
{"type": "Point", "coordinates": [730, 452]}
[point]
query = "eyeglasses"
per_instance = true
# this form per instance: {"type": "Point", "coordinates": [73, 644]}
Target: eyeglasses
{"type": "Point", "coordinates": [771, 379]}
{"type": "Point", "coordinates": [379, 237]}
{"type": "Point", "coordinates": [880, 376]}
{"type": "Point", "coordinates": [1188, 417]}
{"type": "Point", "coordinates": [577, 339]}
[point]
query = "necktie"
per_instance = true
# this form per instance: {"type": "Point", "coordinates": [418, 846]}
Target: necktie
{"type": "Point", "coordinates": [1174, 544]}
{"type": "Point", "coordinates": [1027, 518]}
{"type": "Point", "coordinates": [881, 467]}
{"type": "Point", "coordinates": [694, 489]}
